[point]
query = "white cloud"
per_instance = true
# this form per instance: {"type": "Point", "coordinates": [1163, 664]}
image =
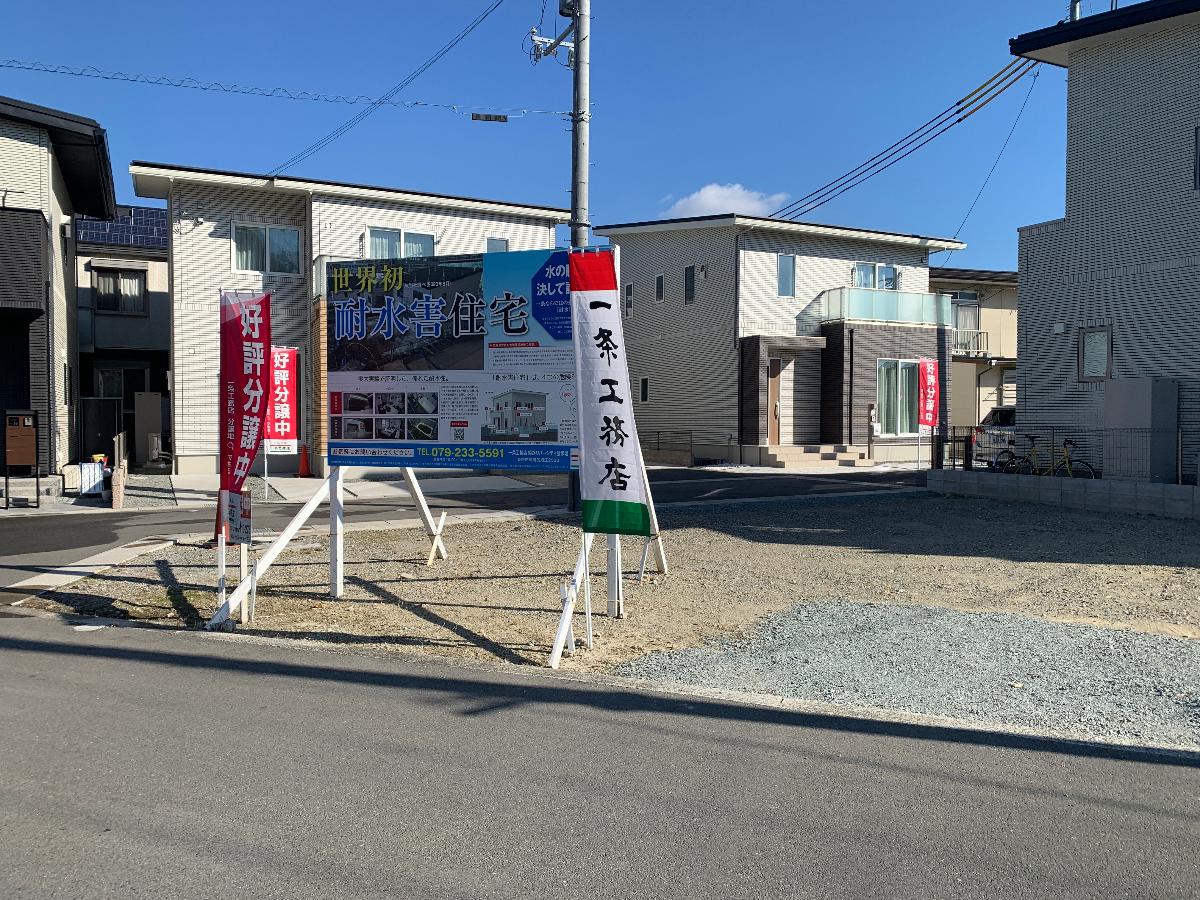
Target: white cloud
{"type": "Point", "coordinates": [713, 199]}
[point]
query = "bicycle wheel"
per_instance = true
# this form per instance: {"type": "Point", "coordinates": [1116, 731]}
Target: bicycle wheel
{"type": "Point", "coordinates": [1003, 458]}
{"type": "Point", "coordinates": [1078, 469]}
{"type": "Point", "coordinates": [1019, 465]}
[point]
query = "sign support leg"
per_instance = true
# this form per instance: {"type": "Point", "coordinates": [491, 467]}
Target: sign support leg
{"type": "Point", "coordinates": [616, 588]}
{"type": "Point", "coordinates": [656, 541]}
{"type": "Point", "coordinates": [434, 531]}
{"type": "Point", "coordinates": [336, 522]}
{"type": "Point", "coordinates": [587, 585]}
{"type": "Point", "coordinates": [244, 559]}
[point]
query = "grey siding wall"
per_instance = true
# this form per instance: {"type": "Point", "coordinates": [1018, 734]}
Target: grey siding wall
{"type": "Point", "coordinates": [1128, 251]}
{"type": "Point", "coordinates": [23, 319]}
{"type": "Point", "coordinates": [872, 341]}
{"type": "Point", "coordinates": [688, 352]}
{"type": "Point", "coordinates": [63, 366]}
{"type": "Point", "coordinates": [821, 264]}
{"type": "Point", "coordinates": [201, 266]}
{"type": "Point", "coordinates": [115, 331]}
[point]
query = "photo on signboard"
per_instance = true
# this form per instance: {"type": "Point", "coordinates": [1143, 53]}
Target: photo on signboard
{"type": "Point", "coordinates": [356, 429]}
{"type": "Point", "coordinates": [422, 429]}
{"type": "Point", "coordinates": [356, 403]}
{"type": "Point", "coordinates": [422, 404]}
{"type": "Point", "coordinates": [434, 321]}
{"type": "Point", "coordinates": [389, 429]}
{"type": "Point", "coordinates": [389, 404]}
{"type": "Point", "coordinates": [518, 416]}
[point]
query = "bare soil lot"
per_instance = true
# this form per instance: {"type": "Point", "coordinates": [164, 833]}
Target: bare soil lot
{"type": "Point", "coordinates": [496, 598]}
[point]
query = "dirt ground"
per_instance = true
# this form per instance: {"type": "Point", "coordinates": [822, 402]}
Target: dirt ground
{"type": "Point", "coordinates": [496, 597]}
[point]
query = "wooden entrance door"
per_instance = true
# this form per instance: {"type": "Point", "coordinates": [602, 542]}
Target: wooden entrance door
{"type": "Point", "coordinates": [774, 371]}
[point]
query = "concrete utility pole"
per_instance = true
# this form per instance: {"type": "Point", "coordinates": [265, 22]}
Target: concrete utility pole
{"type": "Point", "coordinates": [581, 113]}
{"type": "Point", "coordinates": [579, 58]}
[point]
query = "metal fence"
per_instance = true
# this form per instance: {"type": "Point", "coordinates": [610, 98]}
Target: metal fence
{"type": "Point", "coordinates": [1135, 454]}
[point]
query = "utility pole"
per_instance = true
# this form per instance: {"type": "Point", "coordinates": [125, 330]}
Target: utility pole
{"type": "Point", "coordinates": [581, 112]}
{"type": "Point", "coordinates": [579, 56]}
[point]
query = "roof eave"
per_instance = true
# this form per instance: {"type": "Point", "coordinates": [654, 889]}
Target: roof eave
{"type": "Point", "coordinates": [1054, 44]}
{"type": "Point", "coordinates": [154, 181]}
{"type": "Point", "coordinates": [759, 224]}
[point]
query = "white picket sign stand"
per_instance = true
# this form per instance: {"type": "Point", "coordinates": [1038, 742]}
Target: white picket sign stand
{"type": "Point", "coordinates": [331, 489]}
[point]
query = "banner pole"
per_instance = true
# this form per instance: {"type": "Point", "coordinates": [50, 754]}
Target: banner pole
{"type": "Point", "coordinates": [221, 547]}
{"type": "Point", "coordinates": [336, 522]}
{"type": "Point", "coordinates": [616, 595]}
{"type": "Point", "coordinates": [266, 478]}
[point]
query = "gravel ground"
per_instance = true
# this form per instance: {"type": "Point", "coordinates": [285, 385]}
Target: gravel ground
{"type": "Point", "coordinates": [1021, 574]}
{"type": "Point", "coordinates": [991, 668]}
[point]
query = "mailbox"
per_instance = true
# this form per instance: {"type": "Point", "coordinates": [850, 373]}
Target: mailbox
{"type": "Point", "coordinates": [21, 437]}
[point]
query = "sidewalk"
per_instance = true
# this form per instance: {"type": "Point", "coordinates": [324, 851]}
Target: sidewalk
{"type": "Point", "coordinates": [193, 490]}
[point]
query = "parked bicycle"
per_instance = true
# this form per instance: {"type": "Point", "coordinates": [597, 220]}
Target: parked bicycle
{"type": "Point", "coordinates": [1031, 463]}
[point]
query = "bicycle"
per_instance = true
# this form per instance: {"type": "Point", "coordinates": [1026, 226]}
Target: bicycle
{"type": "Point", "coordinates": [1064, 468]}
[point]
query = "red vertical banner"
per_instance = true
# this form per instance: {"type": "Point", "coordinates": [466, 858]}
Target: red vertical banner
{"type": "Point", "coordinates": [280, 431]}
{"type": "Point", "coordinates": [928, 395]}
{"type": "Point", "coordinates": [244, 382]}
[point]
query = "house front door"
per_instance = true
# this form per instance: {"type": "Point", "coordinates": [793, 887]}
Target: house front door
{"type": "Point", "coordinates": [774, 370]}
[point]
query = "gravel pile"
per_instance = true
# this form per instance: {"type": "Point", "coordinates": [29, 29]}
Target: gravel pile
{"type": "Point", "coordinates": [987, 668]}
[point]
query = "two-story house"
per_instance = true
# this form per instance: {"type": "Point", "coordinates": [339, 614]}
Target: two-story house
{"type": "Point", "coordinates": [239, 231]}
{"type": "Point", "coordinates": [1109, 292]}
{"type": "Point", "coordinates": [124, 331]}
{"type": "Point", "coordinates": [752, 339]}
{"type": "Point", "coordinates": [53, 165]}
{"type": "Point", "coordinates": [983, 368]}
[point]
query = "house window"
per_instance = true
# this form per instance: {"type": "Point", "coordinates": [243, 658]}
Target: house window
{"type": "Point", "coordinates": [876, 275]}
{"type": "Point", "coordinates": [786, 270]}
{"type": "Point", "coordinates": [966, 310]}
{"type": "Point", "coordinates": [416, 244]}
{"type": "Point", "coordinates": [896, 396]}
{"type": "Point", "coordinates": [383, 243]}
{"type": "Point", "coordinates": [266, 249]}
{"type": "Point", "coordinates": [497, 245]}
{"type": "Point", "coordinates": [643, 390]}
{"type": "Point", "coordinates": [110, 383]}
{"type": "Point", "coordinates": [689, 284]}
{"type": "Point", "coordinates": [120, 291]}
{"type": "Point", "coordinates": [659, 288]}
{"type": "Point", "coordinates": [629, 298]}
{"type": "Point", "coordinates": [1095, 353]}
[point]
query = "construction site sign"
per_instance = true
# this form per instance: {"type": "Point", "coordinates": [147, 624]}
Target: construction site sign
{"type": "Point", "coordinates": [452, 362]}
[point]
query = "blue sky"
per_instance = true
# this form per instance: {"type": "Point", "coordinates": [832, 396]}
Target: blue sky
{"type": "Point", "coordinates": [774, 97]}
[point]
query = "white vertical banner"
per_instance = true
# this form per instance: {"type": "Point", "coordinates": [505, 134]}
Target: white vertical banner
{"type": "Point", "coordinates": [613, 486]}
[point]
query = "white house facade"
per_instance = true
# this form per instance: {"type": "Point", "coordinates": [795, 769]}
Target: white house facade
{"type": "Point", "coordinates": [750, 337]}
{"type": "Point", "coordinates": [239, 231]}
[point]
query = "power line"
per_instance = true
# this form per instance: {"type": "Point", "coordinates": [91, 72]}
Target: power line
{"type": "Point", "coordinates": [992, 170]}
{"type": "Point", "coordinates": [275, 93]}
{"type": "Point", "coordinates": [912, 135]}
{"type": "Point", "coordinates": [412, 76]}
{"type": "Point", "coordinates": [959, 112]}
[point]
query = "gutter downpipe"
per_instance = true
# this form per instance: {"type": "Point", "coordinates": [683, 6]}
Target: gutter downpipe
{"type": "Point", "coordinates": [850, 399]}
{"type": "Point", "coordinates": [737, 343]}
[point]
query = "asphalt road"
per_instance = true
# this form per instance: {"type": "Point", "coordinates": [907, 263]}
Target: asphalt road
{"type": "Point", "coordinates": [143, 763]}
{"type": "Point", "coordinates": [30, 544]}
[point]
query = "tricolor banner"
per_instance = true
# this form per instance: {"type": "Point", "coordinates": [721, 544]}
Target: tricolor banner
{"type": "Point", "coordinates": [612, 485]}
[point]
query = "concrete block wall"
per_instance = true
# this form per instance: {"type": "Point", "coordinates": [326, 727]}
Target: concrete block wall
{"type": "Point", "coordinates": [1171, 501]}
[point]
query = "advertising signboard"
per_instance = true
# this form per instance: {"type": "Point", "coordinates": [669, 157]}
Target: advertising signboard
{"type": "Point", "coordinates": [452, 362]}
{"type": "Point", "coordinates": [928, 395]}
{"type": "Point", "coordinates": [244, 380]}
{"type": "Point", "coordinates": [280, 431]}
{"type": "Point", "coordinates": [239, 518]}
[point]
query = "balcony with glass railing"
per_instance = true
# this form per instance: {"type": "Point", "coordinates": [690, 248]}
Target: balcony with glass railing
{"type": "Point", "coordinates": [862, 304]}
